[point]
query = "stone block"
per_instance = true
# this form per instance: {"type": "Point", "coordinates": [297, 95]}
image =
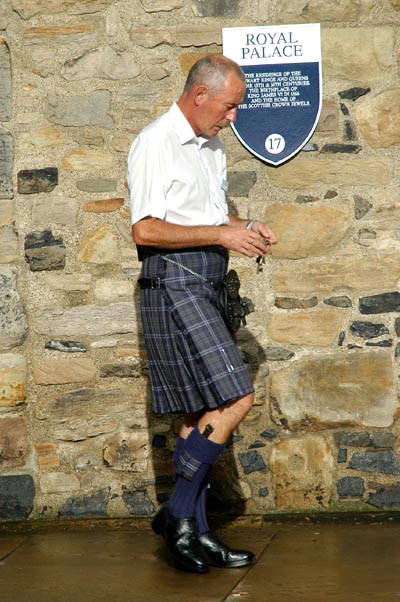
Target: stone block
{"type": "Point", "coordinates": [91, 109]}
{"type": "Point", "coordinates": [17, 493]}
{"type": "Point", "coordinates": [44, 252]}
{"type": "Point", "coordinates": [251, 461]}
{"type": "Point", "coordinates": [59, 482]}
{"type": "Point", "coordinates": [14, 443]}
{"type": "Point", "coordinates": [379, 304]}
{"type": "Point", "coordinates": [385, 462]}
{"type": "Point", "coordinates": [6, 165]}
{"type": "Point", "coordinates": [331, 172]}
{"type": "Point", "coordinates": [59, 34]}
{"type": "Point", "coordinates": [13, 325]}
{"type": "Point", "coordinates": [305, 231]}
{"type": "Point", "coordinates": [88, 506]}
{"type": "Point", "coordinates": [302, 469]}
{"type": "Point", "coordinates": [378, 119]}
{"type": "Point", "coordinates": [314, 11]}
{"type": "Point", "coordinates": [56, 210]}
{"type": "Point", "coordinates": [127, 451]}
{"type": "Point", "coordinates": [87, 159]}
{"type": "Point", "coordinates": [358, 54]}
{"type": "Point", "coordinates": [103, 63]}
{"type": "Point", "coordinates": [319, 327]}
{"type": "Point", "coordinates": [368, 330]}
{"type": "Point", "coordinates": [161, 6]}
{"type": "Point", "coordinates": [104, 205]}
{"type": "Point", "coordinates": [91, 412]}
{"type": "Point", "coordinates": [8, 244]}
{"type": "Point", "coordinates": [325, 276]}
{"type": "Point", "coordinates": [47, 136]}
{"type": "Point", "coordinates": [138, 503]}
{"type": "Point", "coordinates": [87, 320]}
{"type": "Point", "coordinates": [6, 82]}
{"type": "Point", "coordinates": [216, 8]}
{"type": "Point", "coordinates": [350, 487]}
{"type": "Point", "coordinates": [99, 246]}
{"type": "Point", "coordinates": [13, 379]}
{"type": "Point", "coordinates": [355, 389]}
{"type": "Point", "coordinates": [387, 497]}
{"type": "Point", "coordinates": [34, 181]}
{"type": "Point", "coordinates": [30, 8]}
{"type": "Point", "coordinates": [54, 371]}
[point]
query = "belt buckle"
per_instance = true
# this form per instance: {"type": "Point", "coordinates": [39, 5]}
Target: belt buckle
{"type": "Point", "coordinates": [154, 283]}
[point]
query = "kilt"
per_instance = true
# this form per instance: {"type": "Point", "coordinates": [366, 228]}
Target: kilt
{"type": "Point", "coordinates": [194, 362]}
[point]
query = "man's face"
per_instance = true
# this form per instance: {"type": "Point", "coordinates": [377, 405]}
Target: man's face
{"type": "Point", "coordinates": [219, 109]}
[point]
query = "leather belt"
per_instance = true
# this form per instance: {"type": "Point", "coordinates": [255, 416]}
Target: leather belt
{"type": "Point", "coordinates": [153, 283]}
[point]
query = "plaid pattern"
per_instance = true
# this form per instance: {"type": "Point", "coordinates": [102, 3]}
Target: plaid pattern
{"type": "Point", "coordinates": [193, 360]}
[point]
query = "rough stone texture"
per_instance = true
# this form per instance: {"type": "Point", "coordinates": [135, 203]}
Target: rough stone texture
{"type": "Point", "coordinates": [358, 389]}
{"type": "Point", "coordinates": [303, 471]}
{"type": "Point", "coordinates": [375, 461]}
{"type": "Point", "coordinates": [104, 63]}
{"type": "Point", "coordinates": [319, 327]}
{"type": "Point", "coordinates": [87, 160]}
{"type": "Point", "coordinates": [30, 8]}
{"type": "Point", "coordinates": [138, 503]}
{"type": "Point", "coordinates": [363, 54]}
{"type": "Point", "coordinates": [127, 451]}
{"type": "Point", "coordinates": [14, 443]}
{"type": "Point", "coordinates": [89, 320]}
{"type": "Point", "coordinates": [13, 324]}
{"type": "Point", "coordinates": [330, 172]}
{"type": "Point", "coordinates": [216, 8]}
{"type": "Point", "coordinates": [6, 165]}
{"type": "Point", "coordinates": [310, 11]}
{"type": "Point", "coordinates": [52, 371]}
{"type": "Point", "coordinates": [57, 210]}
{"type": "Point", "coordinates": [8, 244]}
{"type": "Point", "coordinates": [327, 275]}
{"type": "Point", "coordinates": [91, 412]}
{"type": "Point", "coordinates": [89, 506]}
{"type": "Point", "coordinates": [350, 487]}
{"type": "Point", "coordinates": [80, 110]}
{"type": "Point", "coordinates": [378, 119]}
{"type": "Point", "coordinates": [44, 252]}
{"type": "Point", "coordinates": [17, 494]}
{"type": "Point", "coordinates": [32, 181]}
{"type": "Point", "coordinates": [306, 231]}
{"type": "Point", "coordinates": [99, 246]}
{"type": "Point", "coordinates": [6, 82]}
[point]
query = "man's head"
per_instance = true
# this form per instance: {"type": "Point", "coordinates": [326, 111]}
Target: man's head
{"type": "Point", "coordinates": [214, 88]}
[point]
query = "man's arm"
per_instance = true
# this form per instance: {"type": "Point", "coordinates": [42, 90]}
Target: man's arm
{"type": "Point", "coordinates": [154, 232]}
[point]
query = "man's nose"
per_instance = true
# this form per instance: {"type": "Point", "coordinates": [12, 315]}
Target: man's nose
{"type": "Point", "coordinates": [231, 115]}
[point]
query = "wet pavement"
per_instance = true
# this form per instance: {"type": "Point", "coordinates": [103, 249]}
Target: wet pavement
{"type": "Point", "coordinates": [295, 563]}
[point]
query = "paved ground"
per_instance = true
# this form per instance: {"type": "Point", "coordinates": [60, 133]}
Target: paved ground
{"type": "Point", "coordinates": [295, 563]}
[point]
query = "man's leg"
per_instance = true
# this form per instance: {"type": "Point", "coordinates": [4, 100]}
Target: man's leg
{"type": "Point", "coordinates": [195, 454]}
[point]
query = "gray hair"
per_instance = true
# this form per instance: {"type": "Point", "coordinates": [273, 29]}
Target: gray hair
{"type": "Point", "coordinates": [212, 71]}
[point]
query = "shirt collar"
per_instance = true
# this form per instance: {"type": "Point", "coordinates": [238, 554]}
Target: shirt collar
{"type": "Point", "coordinates": [183, 128]}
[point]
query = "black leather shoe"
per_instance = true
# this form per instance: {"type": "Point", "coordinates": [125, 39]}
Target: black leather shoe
{"type": "Point", "coordinates": [180, 535]}
{"type": "Point", "coordinates": [221, 555]}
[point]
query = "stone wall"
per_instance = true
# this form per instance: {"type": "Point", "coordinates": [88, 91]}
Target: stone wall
{"type": "Point", "coordinates": [78, 80]}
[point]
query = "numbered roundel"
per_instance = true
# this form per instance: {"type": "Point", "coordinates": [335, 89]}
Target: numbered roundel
{"type": "Point", "coordinates": [275, 144]}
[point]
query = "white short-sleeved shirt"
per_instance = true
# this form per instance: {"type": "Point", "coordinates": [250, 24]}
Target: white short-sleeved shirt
{"type": "Point", "coordinates": [176, 176]}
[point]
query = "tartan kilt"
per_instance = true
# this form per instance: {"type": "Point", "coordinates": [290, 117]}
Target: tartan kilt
{"type": "Point", "coordinates": [194, 363]}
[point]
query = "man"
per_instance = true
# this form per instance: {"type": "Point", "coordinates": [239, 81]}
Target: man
{"type": "Point", "coordinates": [181, 226]}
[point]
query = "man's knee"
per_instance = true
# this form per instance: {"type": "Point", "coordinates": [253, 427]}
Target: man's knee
{"type": "Point", "coordinates": [245, 404]}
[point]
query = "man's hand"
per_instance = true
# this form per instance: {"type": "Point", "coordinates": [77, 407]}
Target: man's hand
{"type": "Point", "coordinates": [253, 242]}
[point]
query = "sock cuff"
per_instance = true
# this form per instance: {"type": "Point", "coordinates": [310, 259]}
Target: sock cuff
{"type": "Point", "coordinates": [203, 449]}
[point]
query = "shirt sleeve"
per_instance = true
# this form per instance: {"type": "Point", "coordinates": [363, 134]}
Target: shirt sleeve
{"type": "Point", "coordinates": [147, 177]}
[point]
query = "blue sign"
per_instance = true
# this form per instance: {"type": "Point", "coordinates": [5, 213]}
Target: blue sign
{"type": "Point", "coordinates": [283, 87]}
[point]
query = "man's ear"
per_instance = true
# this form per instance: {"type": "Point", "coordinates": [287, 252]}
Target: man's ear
{"type": "Point", "coordinates": [200, 94]}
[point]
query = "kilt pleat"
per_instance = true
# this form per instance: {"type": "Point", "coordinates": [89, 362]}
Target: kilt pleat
{"type": "Point", "coordinates": [194, 363]}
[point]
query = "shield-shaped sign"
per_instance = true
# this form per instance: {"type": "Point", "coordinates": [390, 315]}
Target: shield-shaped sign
{"type": "Point", "coordinates": [283, 87]}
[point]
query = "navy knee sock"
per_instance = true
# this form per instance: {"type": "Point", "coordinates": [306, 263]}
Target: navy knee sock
{"type": "Point", "coordinates": [193, 459]}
